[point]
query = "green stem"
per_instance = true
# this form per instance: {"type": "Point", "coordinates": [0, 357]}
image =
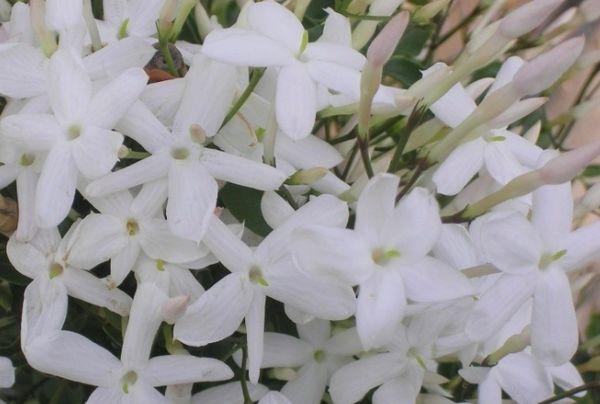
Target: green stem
{"type": "Point", "coordinates": [588, 386]}
{"type": "Point", "coordinates": [413, 121]}
{"type": "Point", "coordinates": [254, 79]}
{"type": "Point", "coordinates": [164, 49]}
{"type": "Point", "coordinates": [247, 399]}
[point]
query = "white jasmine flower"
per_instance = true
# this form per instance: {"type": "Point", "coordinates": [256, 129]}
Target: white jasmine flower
{"type": "Point", "coordinates": [266, 271]}
{"type": "Point", "coordinates": [229, 393]}
{"type": "Point", "coordinates": [386, 255]}
{"type": "Point", "coordinates": [271, 35]}
{"type": "Point", "coordinates": [7, 373]}
{"type": "Point", "coordinates": [126, 226]}
{"type": "Point", "coordinates": [71, 356]}
{"type": "Point", "coordinates": [180, 156]}
{"type": "Point", "coordinates": [78, 136]}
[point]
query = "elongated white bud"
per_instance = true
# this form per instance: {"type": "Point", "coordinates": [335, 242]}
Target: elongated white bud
{"type": "Point", "coordinates": [527, 17]}
{"type": "Point", "coordinates": [384, 44]}
{"type": "Point", "coordinates": [203, 21]}
{"type": "Point", "coordinates": [533, 133]}
{"type": "Point", "coordinates": [517, 111]}
{"type": "Point", "coordinates": [307, 177]}
{"type": "Point", "coordinates": [589, 201]}
{"type": "Point", "coordinates": [38, 22]}
{"type": "Point", "coordinates": [430, 10]}
{"type": "Point", "coordinates": [166, 17]}
{"type": "Point", "coordinates": [566, 166]}
{"type": "Point", "coordinates": [543, 71]}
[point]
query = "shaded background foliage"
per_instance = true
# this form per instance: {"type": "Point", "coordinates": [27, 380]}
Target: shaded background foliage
{"type": "Point", "coordinates": [105, 328]}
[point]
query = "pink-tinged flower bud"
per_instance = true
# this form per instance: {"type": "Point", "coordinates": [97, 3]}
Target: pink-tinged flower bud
{"type": "Point", "coordinates": [527, 17]}
{"type": "Point", "coordinates": [565, 167]}
{"type": "Point", "coordinates": [544, 70]}
{"type": "Point", "coordinates": [430, 10]}
{"type": "Point", "coordinates": [384, 44]}
{"type": "Point", "coordinates": [173, 308]}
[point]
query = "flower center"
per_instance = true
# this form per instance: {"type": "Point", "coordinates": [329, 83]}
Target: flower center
{"type": "Point", "coordinates": [319, 355]}
{"type": "Point", "coordinates": [382, 256]}
{"type": "Point", "coordinates": [132, 227]}
{"type": "Point", "coordinates": [55, 270]}
{"type": "Point", "coordinates": [180, 153]}
{"type": "Point", "coordinates": [74, 132]}
{"type": "Point", "coordinates": [128, 380]}
{"type": "Point", "coordinates": [160, 265]}
{"type": "Point", "coordinates": [256, 276]}
{"type": "Point", "coordinates": [27, 159]}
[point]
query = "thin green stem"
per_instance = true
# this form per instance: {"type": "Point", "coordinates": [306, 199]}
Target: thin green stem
{"type": "Point", "coordinates": [247, 399]}
{"type": "Point", "coordinates": [254, 79]}
{"type": "Point", "coordinates": [569, 393]}
{"type": "Point", "coordinates": [287, 195]}
{"type": "Point", "coordinates": [363, 147]}
{"type": "Point", "coordinates": [164, 49]}
{"type": "Point", "coordinates": [414, 119]}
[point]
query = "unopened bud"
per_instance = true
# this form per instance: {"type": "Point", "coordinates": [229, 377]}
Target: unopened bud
{"type": "Point", "coordinates": [123, 152]}
{"type": "Point", "coordinates": [478, 87]}
{"type": "Point", "coordinates": [590, 10]}
{"type": "Point", "coordinates": [166, 17]}
{"type": "Point", "coordinates": [565, 167]}
{"type": "Point", "coordinates": [517, 111]}
{"type": "Point", "coordinates": [527, 17]}
{"type": "Point", "coordinates": [533, 133]}
{"type": "Point", "coordinates": [514, 344]}
{"type": "Point", "coordinates": [203, 21]}
{"type": "Point", "coordinates": [430, 10]}
{"type": "Point", "coordinates": [184, 9]}
{"type": "Point", "coordinates": [384, 44]}
{"type": "Point", "coordinates": [307, 177]}
{"type": "Point", "coordinates": [544, 70]}
{"type": "Point", "coordinates": [588, 59]}
{"type": "Point", "coordinates": [174, 308]}
{"type": "Point", "coordinates": [38, 22]}
{"type": "Point", "coordinates": [428, 87]}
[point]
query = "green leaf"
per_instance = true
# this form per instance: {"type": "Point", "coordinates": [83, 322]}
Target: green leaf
{"type": "Point", "coordinates": [592, 171]}
{"type": "Point", "coordinates": [8, 273]}
{"type": "Point", "coordinates": [403, 69]}
{"type": "Point", "coordinates": [414, 39]}
{"type": "Point", "coordinates": [244, 205]}
{"type": "Point", "coordinates": [490, 70]}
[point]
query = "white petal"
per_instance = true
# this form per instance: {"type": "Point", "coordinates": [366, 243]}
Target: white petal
{"type": "Point", "coordinates": [459, 167]}
{"type": "Point", "coordinates": [217, 84]}
{"type": "Point", "coordinates": [510, 243]}
{"type": "Point", "coordinates": [27, 258]}
{"type": "Point", "coordinates": [163, 98]}
{"type": "Point", "coordinates": [275, 209]}
{"type": "Point", "coordinates": [345, 343]}
{"type": "Point", "coordinates": [158, 242]}
{"type": "Point", "coordinates": [506, 73]}
{"type": "Point", "coordinates": [7, 373]}
{"type": "Point", "coordinates": [115, 58]}
{"type": "Point", "coordinates": [116, 204]}
{"type": "Point", "coordinates": [455, 247]}
{"type": "Point", "coordinates": [61, 14]}
{"type": "Point", "coordinates": [337, 254]}
{"type": "Point", "coordinates": [376, 205]}
{"type": "Point", "coordinates": [552, 214]}
{"type": "Point", "coordinates": [554, 336]}
{"type": "Point", "coordinates": [350, 383]}
{"type": "Point", "coordinates": [415, 224]}
{"type": "Point", "coordinates": [454, 106]}
{"type": "Point", "coordinates": [26, 185]}
{"type": "Point", "coordinates": [241, 171]}
{"type": "Point", "coordinates": [380, 308]}
{"type": "Point", "coordinates": [100, 238]}
{"type": "Point", "coordinates": [180, 369]}
{"type": "Point", "coordinates": [582, 245]}
{"type": "Point", "coordinates": [308, 152]}
{"type": "Point", "coordinates": [336, 29]}
{"type": "Point", "coordinates": [566, 376]}
{"type": "Point", "coordinates": [112, 101]}
{"type": "Point", "coordinates": [8, 173]}
{"type": "Point", "coordinates": [431, 280]}
{"type": "Point", "coordinates": [277, 23]}
{"type": "Point", "coordinates": [233, 292]}
{"type": "Point", "coordinates": [343, 56]}
{"type": "Point", "coordinates": [498, 304]}
{"type": "Point", "coordinates": [151, 199]}
{"type": "Point", "coordinates": [274, 397]}
{"type": "Point", "coordinates": [144, 14]}
{"type": "Point", "coordinates": [33, 131]}
{"type": "Point", "coordinates": [144, 319]}
{"type": "Point", "coordinates": [308, 386]}
{"type": "Point", "coordinates": [140, 124]}
{"type": "Point", "coordinates": [73, 357]}
{"type": "Point", "coordinates": [70, 88]}
{"type": "Point", "coordinates": [122, 263]}
{"type": "Point", "coordinates": [255, 330]}
{"type": "Point", "coordinates": [183, 282]}
{"type": "Point", "coordinates": [245, 48]}
{"type": "Point", "coordinates": [146, 170]}
{"type": "Point", "coordinates": [21, 72]}
{"type": "Point", "coordinates": [396, 389]}
{"type": "Point", "coordinates": [502, 165]}
{"type": "Point", "coordinates": [295, 101]}
{"type": "Point", "coordinates": [324, 210]}
{"type": "Point", "coordinates": [282, 350]}
{"type": "Point", "coordinates": [105, 395]}
{"type": "Point", "coordinates": [316, 332]}
{"type": "Point", "coordinates": [489, 391]}
{"type": "Point", "coordinates": [56, 187]}
{"type": "Point", "coordinates": [523, 378]}
{"type": "Point", "coordinates": [44, 309]}
{"type": "Point", "coordinates": [192, 200]}
{"type": "Point", "coordinates": [85, 286]}
{"type": "Point", "coordinates": [230, 393]}
{"type": "Point", "coordinates": [96, 151]}
{"type": "Point", "coordinates": [233, 253]}
{"type": "Point", "coordinates": [323, 299]}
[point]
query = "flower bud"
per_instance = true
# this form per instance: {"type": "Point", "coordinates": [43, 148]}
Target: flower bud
{"type": "Point", "coordinates": [173, 308]}
{"type": "Point", "coordinates": [38, 22]}
{"type": "Point", "coordinates": [166, 17]}
{"type": "Point", "coordinates": [430, 10]}
{"type": "Point", "coordinates": [533, 133]}
{"type": "Point", "coordinates": [544, 70]}
{"type": "Point", "coordinates": [565, 167]}
{"type": "Point", "coordinates": [517, 111]}
{"type": "Point", "coordinates": [527, 17]}
{"type": "Point", "coordinates": [203, 21]}
{"type": "Point", "coordinates": [384, 44]}
{"type": "Point", "coordinates": [306, 177]}
{"type": "Point", "coordinates": [184, 9]}
{"type": "Point", "coordinates": [589, 201]}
